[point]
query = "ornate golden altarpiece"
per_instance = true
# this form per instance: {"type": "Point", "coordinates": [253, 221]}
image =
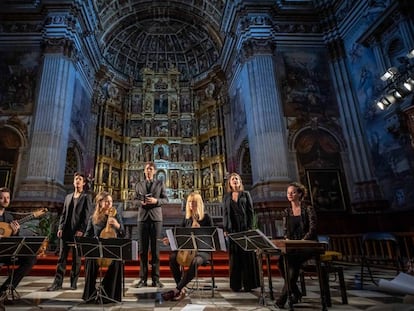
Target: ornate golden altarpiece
{"type": "Point", "coordinates": [178, 127]}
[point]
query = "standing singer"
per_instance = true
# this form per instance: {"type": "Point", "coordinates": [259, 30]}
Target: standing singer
{"type": "Point", "coordinates": [238, 217]}
{"type": "Point", "coordinates": [152, 195]}
{"type": "Point", "coordinates": [104, 223]}
{"type": "Point", "coordinates": [76, 211]}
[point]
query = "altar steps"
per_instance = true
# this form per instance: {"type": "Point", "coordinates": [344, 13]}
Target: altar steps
{"type": "Point", "coordinates": [46, 266]}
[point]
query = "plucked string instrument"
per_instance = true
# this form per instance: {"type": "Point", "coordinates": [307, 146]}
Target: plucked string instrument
{"type": "Point", "coordinates": [185, 257]}
{"type": "Point", "coordinates": [6, 230]}
{"type": "Point", "coordinates": [106, 233]}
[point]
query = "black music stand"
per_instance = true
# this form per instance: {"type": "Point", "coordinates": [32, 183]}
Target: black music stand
{"type": "Point", "coordinates": [203, 239]}
{"type": "Point", "coordinates": [18, 246]}
{"type": "Point", "coordinates": [256, 241]}
{"type": "Point", "coordinates": [113, 248]}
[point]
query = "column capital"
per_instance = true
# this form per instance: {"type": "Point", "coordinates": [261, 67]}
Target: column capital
{"type": "Point", "coordinates": [59, 32]}
{"type": "Point", "coordinates": [252, 47]}
{"type": "Point", "coordinates": [58, 46]}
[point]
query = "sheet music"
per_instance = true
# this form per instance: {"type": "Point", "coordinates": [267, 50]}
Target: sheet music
{"type": "Point", "coordinates": [134, 250]}
{"type": "Point", "coordinates": [171, 239]}
{"type": "Point", "coordinates": [222, 241]}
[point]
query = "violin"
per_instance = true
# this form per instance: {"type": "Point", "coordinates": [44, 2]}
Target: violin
{"type": "Point", "coordinates": [108, 232]}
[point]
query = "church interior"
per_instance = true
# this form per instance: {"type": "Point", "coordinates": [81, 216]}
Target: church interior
{"type": "Point", "coordinates": [314, 91]}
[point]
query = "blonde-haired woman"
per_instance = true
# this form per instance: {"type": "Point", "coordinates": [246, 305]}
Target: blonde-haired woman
{"type": "Point", "coordinates": [238, 217]}
{"type": "Point", "coordinates": [195, 216]}
{"type": "Point", "coordinates": [104, 214]}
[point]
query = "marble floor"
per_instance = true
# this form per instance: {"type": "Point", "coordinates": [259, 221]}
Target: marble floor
{"type": "Point", "coordinates": [33, 296]}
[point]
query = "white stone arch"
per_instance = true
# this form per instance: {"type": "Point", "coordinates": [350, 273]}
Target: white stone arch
{"type": "Point", "coordinates": [16, 130]}
{"type": "Point", "coordinates": [293, 137]}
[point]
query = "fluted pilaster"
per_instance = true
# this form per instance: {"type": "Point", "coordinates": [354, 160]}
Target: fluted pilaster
{"type": "Point", "coordinates": [263, 107]}
{"type": "Point", "coordinates": [46, 160]}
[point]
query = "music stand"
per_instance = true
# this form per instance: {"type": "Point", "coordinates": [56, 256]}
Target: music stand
{"type": "Point", "coordinates": [112, 248]}
{"type": "Point", "coordinates": [203, 239]}
{"type": "Point", "coordinates": [18, 246]}
{"type": "Point", "coordinates": [255, 240]}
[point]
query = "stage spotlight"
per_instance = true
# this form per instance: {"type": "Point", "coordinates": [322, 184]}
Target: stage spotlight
{"type": "Point", "coordinates": [386, 101]}
{"type": "Point", "coordinates": [410, 54]}
{"type": "Point", "coordinates": [389, 74]}
{"type": "Point", "coordinates": [398, 94]}
{"type": "Point", "coordinates": [409, 85]}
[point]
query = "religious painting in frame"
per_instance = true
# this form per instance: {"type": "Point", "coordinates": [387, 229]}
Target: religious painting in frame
{"type": "Point", "coordinates": [325, 190]}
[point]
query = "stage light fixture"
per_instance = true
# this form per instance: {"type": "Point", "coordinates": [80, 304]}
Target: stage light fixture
{"type": "Point", "coordinates": [389, 74]}
{"type": "Point", "coordinates": [398, 94]}
{"type": "Point", "coordinates": [399, 82]}
{"type": "Point", "coordinates": [409, 85]}
{"type": "Point", "coordinates": [386, 101]}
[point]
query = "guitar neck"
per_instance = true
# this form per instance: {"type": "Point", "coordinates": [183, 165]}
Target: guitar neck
{"type": "Point", "coordinates": [25, 219]}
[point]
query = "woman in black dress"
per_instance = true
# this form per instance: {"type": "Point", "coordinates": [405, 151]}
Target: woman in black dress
{"type": "Point", "coordinates": [238, 216]}
{"type": "Point", "coordinates": [299, 221]}
{"type": "Point", "coordinates": [104, 217]}
{"type": "Point", "coordinates": [194, 217]}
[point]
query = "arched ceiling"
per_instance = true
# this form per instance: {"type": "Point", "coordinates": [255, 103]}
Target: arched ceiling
{"type": "Point", "coordinates": [184, 34]}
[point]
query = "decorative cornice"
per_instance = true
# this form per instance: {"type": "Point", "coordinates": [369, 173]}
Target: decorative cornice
{"type": "Point", "coordinates": [260, 20]}
{"type": "Point", "coordinates": [20, 27]}
{"type": "Point", "coordinates": [61, 20]}
{"type": "Point", "coordinates": [296, 28]}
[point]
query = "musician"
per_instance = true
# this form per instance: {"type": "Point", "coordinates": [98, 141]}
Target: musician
{"type": "Point", "coordinates": [25, 263]}
{"type": "Point", "coordinates": [76, 210]}
{"type": "Point", "coordinates": [238, 217]}
{"type": "Point", "coordinates": [104, 217]}
{"type": "Point", "coordinates": [151, 194]}
{"type": "Point", "coordinates": [299, 221]}
{"type": "Point", "coordinates": [194, 217]}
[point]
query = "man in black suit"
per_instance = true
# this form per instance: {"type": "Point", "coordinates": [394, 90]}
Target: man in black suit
{"type": "Point", "coordinates": [76, 211]}
{"type": "Point", "coordinates": [25, 262]}
{"type": "Point", "coordinates": [152, 195]}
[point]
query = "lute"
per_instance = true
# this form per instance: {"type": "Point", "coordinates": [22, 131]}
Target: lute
{"type": "Point", "coordinates": [106, 233]}
{"type": "Point", "coordinates": [185, 257]}
{"type": "Point", "coordinates": [6, 229]}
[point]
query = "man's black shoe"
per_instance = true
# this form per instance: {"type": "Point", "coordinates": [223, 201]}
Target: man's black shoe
{"type": "Point", "coordinates": [53, 288]}
{"type": "Point", "coordinates": [73, 287]}
{"type": "Point", "coordinates": [157, 284]}
{"type": "Point", "coordinates": [141, 283]}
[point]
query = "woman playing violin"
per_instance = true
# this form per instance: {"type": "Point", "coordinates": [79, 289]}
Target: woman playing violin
{"type": "Point", "coordinates": [194, 217]}
{"type": "Point", "coordinates": [104, 223]}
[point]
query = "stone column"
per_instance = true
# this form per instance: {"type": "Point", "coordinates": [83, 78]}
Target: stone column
{"type": "Point", "coordinates": [264, 115]}
{"type": "Point", "coordinates": [51, 123]}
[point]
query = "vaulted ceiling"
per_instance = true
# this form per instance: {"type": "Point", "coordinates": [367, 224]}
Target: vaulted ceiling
{"type": "Point", "coordinates": [184, 34]}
